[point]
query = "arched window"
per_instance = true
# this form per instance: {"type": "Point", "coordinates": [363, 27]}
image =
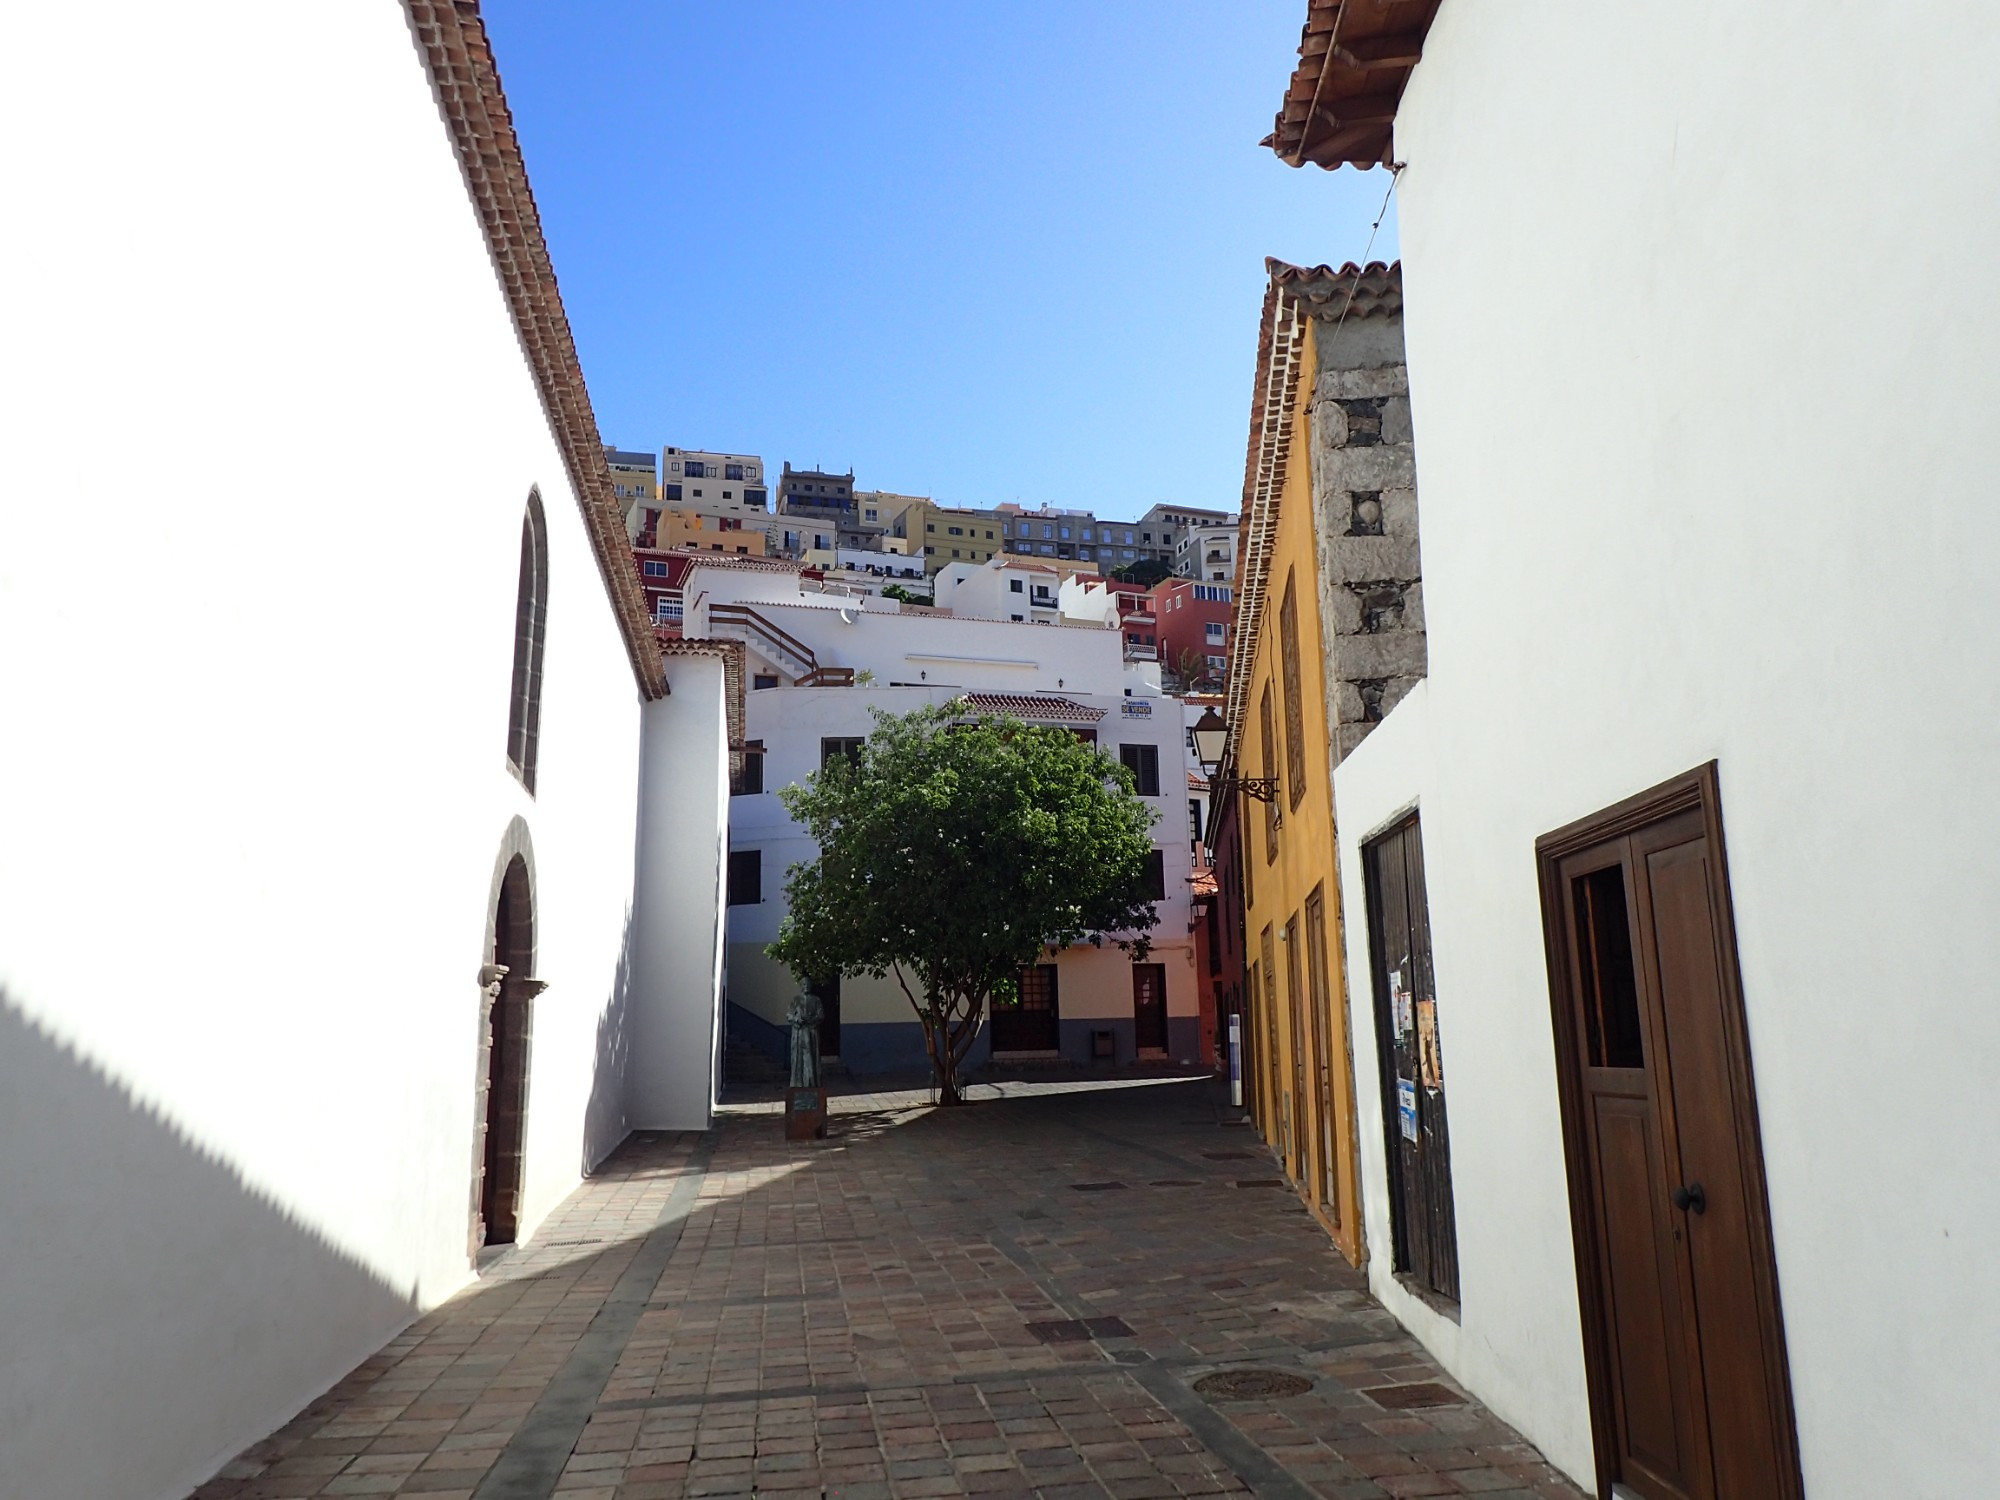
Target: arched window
{"type": "Point", "coordinates": [531, 605]}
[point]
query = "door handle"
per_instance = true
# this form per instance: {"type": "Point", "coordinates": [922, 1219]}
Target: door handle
{"type": "Point", "coordinates": [1691, 1198]}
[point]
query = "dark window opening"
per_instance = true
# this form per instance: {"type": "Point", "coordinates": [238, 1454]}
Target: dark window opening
{"type": "Point", "coordinates": [746, 877]}
{"type": "Point", "coordinates": [844, 745]}
{"type": "Point", "coordinates": [1610, 983]}
{"type": "Point", "coordinates": [1143, 761]}
{"type": "Point", "coordinates": [1155, 877]}
{"type": "Point", "coordinates": [750, 780]}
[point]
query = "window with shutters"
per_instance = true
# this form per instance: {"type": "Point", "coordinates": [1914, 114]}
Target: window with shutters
{"type": "Point", "coordinates": [1267, 733]}
{"type": "Point", "coordinates": [1143, 761]}
{"type": "Point", "coordinates": [1295, 711]}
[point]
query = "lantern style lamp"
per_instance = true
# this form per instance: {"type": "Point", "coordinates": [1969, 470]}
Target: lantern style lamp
{"type": "Point", "coordinates": [1211, 739]}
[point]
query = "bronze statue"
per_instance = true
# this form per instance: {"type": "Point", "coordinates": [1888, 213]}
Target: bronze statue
{"type": "Point", "coordinates": [804, 1014]}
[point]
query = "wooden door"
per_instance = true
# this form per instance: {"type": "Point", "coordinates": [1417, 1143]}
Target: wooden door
{"type": "Point", "coordinates": [1422, 1222]}
{"type": "Point", "coordinates": [1319, 1001]}
{"type": "Point", "coordinates": [1149, 1007]}
{"type": "Point", "coordinates": [1034, 1023]}
{"type": "Point", "coordinates": [1690, 1394]}
{"type": "Point", "coordinates": [1299, 1153]}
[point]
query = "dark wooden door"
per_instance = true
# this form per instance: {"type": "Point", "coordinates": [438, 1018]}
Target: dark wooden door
{"type": "Point", "coordinates": [1423, 1226]}
{"type": "Point", "coordinates": [1034, 1023]}
{"type": "Point", "coordinates": [1149, 1007]}
{"type": "Point", "coordinates": [1691, 1397]}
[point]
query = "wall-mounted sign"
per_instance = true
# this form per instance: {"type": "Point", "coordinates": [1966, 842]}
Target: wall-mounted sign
{"type": "Point", "coordinates": [1406, 1107]}
{"type": "Point", "coordinates": [1136, 708]}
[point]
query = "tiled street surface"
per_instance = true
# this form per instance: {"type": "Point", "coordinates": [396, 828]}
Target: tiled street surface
{"type": "Point", "coordinates": [1016, 1298]}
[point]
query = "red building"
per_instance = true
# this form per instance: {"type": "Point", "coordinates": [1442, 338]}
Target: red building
{"type": "Point", "coordinates": [1191, 621]}
{"type": "Point", "coordinates": [1219, 954]}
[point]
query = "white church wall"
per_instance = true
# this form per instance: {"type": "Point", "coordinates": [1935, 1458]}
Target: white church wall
{"type": "Point", "coordinates": [250, 804]}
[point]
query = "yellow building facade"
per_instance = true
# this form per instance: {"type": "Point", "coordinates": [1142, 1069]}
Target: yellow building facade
{"type": "Point", "coordinates": [682, 529]}
{"type": "Point", "coordinates": [1299, 1076]}
{"type": "Point", "coordinates": [942, 534]}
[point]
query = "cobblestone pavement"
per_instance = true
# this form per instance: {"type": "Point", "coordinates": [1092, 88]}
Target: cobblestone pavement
{"type": "Point", "coordinates": [1016, 1298]}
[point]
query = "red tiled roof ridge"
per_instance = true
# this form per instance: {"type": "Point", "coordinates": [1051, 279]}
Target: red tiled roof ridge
{"type": "Point", "coordinates": [1032, 705]}
{"type": "Point", "coordinates": [466, 84]}
{"type": "Point", "coordinates": [1355, 61]}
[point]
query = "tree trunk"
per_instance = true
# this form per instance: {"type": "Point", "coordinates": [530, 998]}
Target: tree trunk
{"type": "Point", "coordinates": [944, 1071]}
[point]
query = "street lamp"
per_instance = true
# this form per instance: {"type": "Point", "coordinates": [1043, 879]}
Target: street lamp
{"type": "Point", "coordinates": [1211, 738]}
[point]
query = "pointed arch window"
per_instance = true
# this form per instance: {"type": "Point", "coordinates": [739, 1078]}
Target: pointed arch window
{"type": "Point", "coordinates": [531, 602]}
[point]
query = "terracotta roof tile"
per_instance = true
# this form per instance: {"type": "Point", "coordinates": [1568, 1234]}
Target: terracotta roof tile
{"type": "Point", "coordinates": [1355, 58]}
{"type": "Point", "coordinates": [1042, 706]}
{"type": "Point", "coordinates": [466, 82]}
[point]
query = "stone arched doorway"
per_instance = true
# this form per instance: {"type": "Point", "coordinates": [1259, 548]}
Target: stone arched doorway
{"type": "Point", "coordinates": [507, 991]}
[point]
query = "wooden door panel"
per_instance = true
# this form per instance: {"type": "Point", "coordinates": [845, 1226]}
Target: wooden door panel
{"type": "Point", "coordinates": [1734, 1358]}
{"type": "Point", "coordinates": [1647, 1345]}
{"type": "Point", "coordinates": [1690, 1399]}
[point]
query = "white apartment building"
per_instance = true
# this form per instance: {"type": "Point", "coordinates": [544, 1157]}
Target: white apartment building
{"type": "Point", "coordinates": [635, 484]}
{"type": "Point", "coordinates": [1207, 551]}
{"type": "Point", "coordinates": [1006, 588]}
{"type": "Point", "coordinates": [817, 664]}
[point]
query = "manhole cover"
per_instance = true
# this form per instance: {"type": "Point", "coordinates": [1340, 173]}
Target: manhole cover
{"type": "Point", "coordinates": [1253, 1385]}
{"type": "Point", "coordinates": [1404, 1397]}
{"type": "Point", "coordinates": [1096, 1187]}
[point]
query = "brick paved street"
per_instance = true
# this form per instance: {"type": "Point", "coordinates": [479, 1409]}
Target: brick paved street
{"type": "Point", "coordinates": [1015, 1298]}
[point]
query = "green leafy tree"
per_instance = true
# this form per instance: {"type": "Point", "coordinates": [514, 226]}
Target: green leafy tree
{"type": "Point", "coordinates": [952, 852]}
{"type": "Point", "coordinates": [1144, 573]}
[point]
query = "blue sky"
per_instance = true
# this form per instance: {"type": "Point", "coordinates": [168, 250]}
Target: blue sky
{"type": "Point", "coordinates": [989, 253]}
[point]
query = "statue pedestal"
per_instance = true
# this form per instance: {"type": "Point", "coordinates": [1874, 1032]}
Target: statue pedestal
{"type": "Point", "coordinates": [805, 1114]}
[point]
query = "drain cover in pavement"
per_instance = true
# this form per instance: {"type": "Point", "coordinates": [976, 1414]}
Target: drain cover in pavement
{"type": "Point", "coordinates": [1403, 1397]}
{"type": "Point", "coordinates": [1095, 1187]}
{"type": "Point", "coordinates": [1253, 1385]}
{"type": "Point", "coordinates": [1247, 1182]}
{"type": "Point", "coordinates": [1080, 1330]}
{"type": "Point", "coordinates": [1230, 1155]}
{"type": "Point", "coordinates": [1176, 1182]}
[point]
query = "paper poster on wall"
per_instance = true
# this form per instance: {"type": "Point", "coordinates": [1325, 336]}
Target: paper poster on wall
{"type": "Point", "coordinates": [1430, 1061]}
{"type": "Point", "coordinates": [1406, 1107]}
{"type": "Point", "coordinates": [1399, 997]}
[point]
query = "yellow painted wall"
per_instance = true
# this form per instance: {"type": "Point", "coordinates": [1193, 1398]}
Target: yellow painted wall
{"type": "Point", "coordinates": [1289, 1040]}
{"type": "Point", "coordinates": [928, 525]}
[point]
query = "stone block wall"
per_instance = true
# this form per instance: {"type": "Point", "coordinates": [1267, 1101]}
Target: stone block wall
{"type": "Point", "coordinates": [1364, 492]}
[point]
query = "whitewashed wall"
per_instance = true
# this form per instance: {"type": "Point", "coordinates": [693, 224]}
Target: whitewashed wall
{"type": "Point", "coordinates": [252, 781]}
{"type": "Point", "coordinates": [677, 955]}
{"type": "Point", "coordinates": [1702, 342]}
